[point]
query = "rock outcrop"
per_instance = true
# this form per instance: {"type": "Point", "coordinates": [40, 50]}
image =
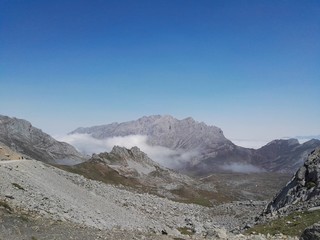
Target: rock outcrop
{"type": "Point", "coordinates": [302, 192]}
{"type": "Point", "coordinates": [132, 167]}
{"type": "Point", "coordinates": [311, 233]}
{"type": "Point", "coordinates": [20, 136]}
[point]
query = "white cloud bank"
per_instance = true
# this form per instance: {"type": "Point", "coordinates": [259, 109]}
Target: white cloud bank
{"type": "Point", "coordinates": [241, 168]}
{"type": "Point", "coordinates": [86, 144]}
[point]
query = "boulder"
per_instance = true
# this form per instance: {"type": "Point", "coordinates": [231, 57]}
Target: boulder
{"type": "Point", "coordinates": [311, 233]}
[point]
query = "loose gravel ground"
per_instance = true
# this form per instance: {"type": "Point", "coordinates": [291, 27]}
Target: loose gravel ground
{"type": "Point", "coordinates": [68, 199]}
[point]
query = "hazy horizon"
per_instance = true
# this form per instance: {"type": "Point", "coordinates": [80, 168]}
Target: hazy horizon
{"type": "Point", "coordinates": [249, 68]}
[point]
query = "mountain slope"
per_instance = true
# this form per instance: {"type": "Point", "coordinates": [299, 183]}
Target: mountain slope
{"type": "Point", "coordinates": [21, 136]}
{"type": "Point", "coordinates": [286, 155]}
{"type": "Point", "coordinates": [133, 168]}
{"type": "Point", "coordinates": [296, 207]}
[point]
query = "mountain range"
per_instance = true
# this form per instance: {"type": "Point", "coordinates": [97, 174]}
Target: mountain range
{"type": "Point", "coordinates": [196, 148]}
{"type": "Point", "coordinates": [214, 152]}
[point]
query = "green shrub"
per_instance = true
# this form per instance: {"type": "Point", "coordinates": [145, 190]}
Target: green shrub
{"type": "Point", "coordinates": [5, 205]}
{"type": "Point", "coordinates": [291, 225]}
{"type": "Point", "coordinates": [310, 184]}
{"type": "Point", "coordinates": [18, 186]}
{"type": "Point", "coordinates": [185, 231]}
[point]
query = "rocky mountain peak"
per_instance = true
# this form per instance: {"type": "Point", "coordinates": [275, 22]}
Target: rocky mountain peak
{"type": "Point", "coordinates": [166, 131]}
{"type": "Point", "coordinates": [125, 157]}
{"type": "Point", "coordinates": [134, 154]}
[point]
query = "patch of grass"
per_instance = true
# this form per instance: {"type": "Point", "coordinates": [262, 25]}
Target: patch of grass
{"type": "Point", "coordinates": [199, 201]}
{"type": "Point", "coordinates": [310, 184]}
{"type": "Point", "coordinates": [5, 205]}
{"type": "Point", "coordinates": [17, 186]}
{"type": "Point", "coordinates": [188, 195]}
{"type": "Point", "coordinates": [185, 231]}
{"type": "Point", "coordinates": [33, 238]}
{"type": "Point", "coordinates": [100, 172]}
{"type": "Point", "coordinates": [292, 225]}
{"type": "Point", "coordinates": [24, 218]}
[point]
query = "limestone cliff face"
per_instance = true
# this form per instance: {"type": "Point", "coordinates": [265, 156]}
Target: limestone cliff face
{"type": "Point", "coordinates": [303, 191]}
{"type": "Point", "coordinates": [165, 131]}
{"type": "Point", "coordinates": [22, 137]}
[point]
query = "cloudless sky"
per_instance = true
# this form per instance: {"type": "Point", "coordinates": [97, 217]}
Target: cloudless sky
{"type": "Point", "coordinates": [251, 68]}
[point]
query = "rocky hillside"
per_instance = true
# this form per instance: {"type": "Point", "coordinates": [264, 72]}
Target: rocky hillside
{"type": "Point", "coordinates": [20, 136]}
{"type": "Point", "coordinates": [295, 210]}
{"type": "Point", "coordinates": [133, 168]}
{"type": "Point", "coordinates": [48, 203]}
{"type": "Point", "coordinates": [214, 152]}
{"type": "Point", "coordinates": [302, 192]}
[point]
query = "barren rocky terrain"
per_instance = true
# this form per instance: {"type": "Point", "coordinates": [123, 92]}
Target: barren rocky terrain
{"type": "Point", "coordinates": [64, 200]}
{"type": "Point", "coordinates": [124, 194]}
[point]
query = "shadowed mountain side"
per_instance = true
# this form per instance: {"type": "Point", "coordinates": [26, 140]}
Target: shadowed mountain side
{"type": "Point", "coordinates": [286, 155]}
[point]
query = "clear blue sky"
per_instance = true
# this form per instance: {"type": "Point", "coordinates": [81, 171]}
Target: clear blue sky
{"type": "Point", "coordinates": [249, 67]}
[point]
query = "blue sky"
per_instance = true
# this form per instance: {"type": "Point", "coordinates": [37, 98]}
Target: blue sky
{"type": "Point", "coordinates": [251, 68]}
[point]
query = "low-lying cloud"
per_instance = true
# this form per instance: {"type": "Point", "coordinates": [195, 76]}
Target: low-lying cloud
{"type": "Point", "coordinates": [241, 168]}
{"type": "Point", "coordinates": [88, 145]}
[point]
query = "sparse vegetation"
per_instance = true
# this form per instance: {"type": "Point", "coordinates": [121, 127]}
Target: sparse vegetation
{"type": "Point", "coordinates": [292, 225]}
{"type": "Point", "coordinates": [5, 205]}
{"type": "Point", "coordinates": [185, 231]}
{"type": "Point", "coordinates": [310, 184]}
{"type": "Point", "coordinates": [105, 174]}
{"type": "Point", "coordinates": [18, 186]}
{"type": "Point", "coordinates": [24, 218]}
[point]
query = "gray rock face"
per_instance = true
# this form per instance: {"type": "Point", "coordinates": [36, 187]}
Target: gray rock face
{"type": "Point", "coordinates": [303, 191]}
{"type": "Point", "coordinates": [311, 233]}
{"type": "Point", "coordinates": [22, 137]}
{"type": "Point", "coordinates": [164, 131]}
{"type": "Point", "coordinates": [123, 156]}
